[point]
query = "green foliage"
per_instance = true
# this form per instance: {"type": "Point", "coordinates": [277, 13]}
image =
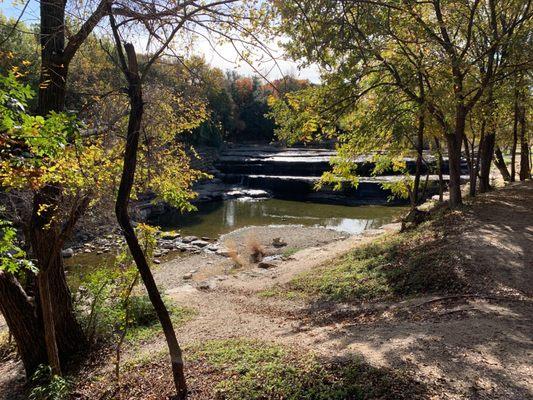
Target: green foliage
{"type": "Point", "coordinates": [117, 304]}
{"type": "Point", "coordinates": [47, 386]}
{"type": "Point", "coordinates": [12, 257]}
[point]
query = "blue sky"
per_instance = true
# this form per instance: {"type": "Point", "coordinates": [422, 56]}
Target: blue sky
{"type": "Point", "coordinates": [230, 61]}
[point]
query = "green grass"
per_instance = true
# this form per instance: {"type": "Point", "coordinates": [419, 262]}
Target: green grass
{"type": "Point", "coordinates": [278, 291]}
{"type": "Point", "coordinates": [259, 370]}
{"type": "Point", "coordinates": [290, 251]}
{"type": "Point", "coordinates": [243, 369]}
{"type": "Point", "coordinates": [146, 330]}
{"type": "Point", "coordinates": [394, 266]}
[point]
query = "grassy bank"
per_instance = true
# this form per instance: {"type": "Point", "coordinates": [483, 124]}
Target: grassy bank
{"type": "Point", "coordinates": [391, 267]}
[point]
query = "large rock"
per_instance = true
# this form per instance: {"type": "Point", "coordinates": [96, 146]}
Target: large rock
{"type": "Point", "coordinates": [267, 265]}
{"type": "Point", "coordinates": [67, 253]}
{"type": "Point", "coordinates": [278, 242]}
{"type": "Point", "coordinates": [199, 243]}
{"type": "Point", "coordinates": [189, 239]}
{"type": "Point", "coordinates": [167, 245]}
{"type": "Point", "coordinates": [213, 247]}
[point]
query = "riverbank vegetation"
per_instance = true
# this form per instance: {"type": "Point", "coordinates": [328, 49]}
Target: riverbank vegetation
{"type": "Point", "coordinates": [89, 121]}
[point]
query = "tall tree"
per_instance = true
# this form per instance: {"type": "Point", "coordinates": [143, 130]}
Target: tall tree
{"type": "Point", "coordinates": [455, 46]}
{"type": "Point", "coordinates": [52, 316]}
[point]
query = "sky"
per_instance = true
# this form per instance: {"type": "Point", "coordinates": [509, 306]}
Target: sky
{"type": "Point", "coordinates": [223, 56]}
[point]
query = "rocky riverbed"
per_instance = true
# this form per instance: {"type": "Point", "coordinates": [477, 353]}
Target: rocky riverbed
{"type": "Point", "coordinates": [233, 259]}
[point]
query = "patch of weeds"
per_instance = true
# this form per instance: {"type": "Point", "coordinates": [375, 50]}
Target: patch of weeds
{"type": "Point", "coordinates": [280, 292]}
{"type": "Point", "coordinates": [290, 251]}
{"type": "Point", "coordinates": [241, 369]}
{"type": "Point", "coordinates": [397, 265]}
{"type": "Point", "coordinates": [145, 324]}
{"type": "Point", "coordinates": [259, 370]}
{"type": "Point", "coordinates": [47, 386]}
{"type": "Point", "coordinates": [144, 359]}
{"type": "Point", "coordinates": [111, 303]}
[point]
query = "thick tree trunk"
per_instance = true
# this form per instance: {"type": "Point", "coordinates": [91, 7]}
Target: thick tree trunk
{"type": "Point", "coordinates": [525, 167]}
{"type": "Point", "coordinates": [65, 336]}
{"type": "Point", "coordinates": [44, 238]}
{"type": "Point", "coordinates": [439, 169]}
{"type": "Point", "coordinates": [52, 83]}
{"type": "Point", "coordinates": [454, 141]}
{"type": "Point", "coordinates": [415, 197]}
{"type": "Point", "coordinates": [24, 323]}
{"type": "Point", "coordinates": [500, 164]}
{"type": "Point", "coordinates": [515, 137]}
{"type": "Point", "coordinates": [47, 312]}
{"type": "Point", "coordinates": [486, 155]}
{"type": "Point", "coordinates": [121, 209]}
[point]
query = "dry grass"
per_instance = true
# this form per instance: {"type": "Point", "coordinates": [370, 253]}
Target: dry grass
{"type": "Point", "coordinates": [233, 253]}
{"type": "Point", "coordinates": [8, 348]}
{"type": "Point", "coordinates": [255, 248]}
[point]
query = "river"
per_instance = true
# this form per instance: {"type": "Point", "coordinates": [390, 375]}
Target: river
{"type": "Point", "coordinates": [215, 219]}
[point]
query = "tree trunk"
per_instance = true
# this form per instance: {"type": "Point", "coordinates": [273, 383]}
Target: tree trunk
{"type": "Point", "coordinates": [44, 237]}
{"type": "Point", "coordinates": [415, 197]}
{"type": "Point", "coordinates": [500, 164]}
{"type": "Point", "coordinates": [121, 210]}
{"type": "Point", "coordinates": [486, 154]}
{"type": "Point", "coordinates": [470, 158]}
{"type": "Point", "coordinates": [24, 323]}
{"type": "Point", "coordinates": [454, 142]}
{"type": "Point", "coordinates": [52, 83]}
{"type": "Point", "coordinates": [515, 137]}
{"type": "Point", "coordinates": [47, 312]}
{"type": "Point", "coordinates": [66, 332]}
{"type": "Point", "coordinates": [525, 167]}
{"type": "Point", "coordinates": [439, 169]}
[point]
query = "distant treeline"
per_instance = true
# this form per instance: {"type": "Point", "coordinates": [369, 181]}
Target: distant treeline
{"type": "Point", "coordinates": [236, 105]}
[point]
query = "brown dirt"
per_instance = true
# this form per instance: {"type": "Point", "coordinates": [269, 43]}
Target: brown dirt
{"type": "Point", "coordinates": [474, 345]}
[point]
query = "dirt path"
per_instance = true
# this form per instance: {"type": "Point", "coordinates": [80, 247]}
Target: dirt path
{"type": "Point", "coordinates": [471, 347]}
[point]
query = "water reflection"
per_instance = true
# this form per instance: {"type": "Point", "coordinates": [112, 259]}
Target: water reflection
{"type": "Point", "coordinates": [215, 219]}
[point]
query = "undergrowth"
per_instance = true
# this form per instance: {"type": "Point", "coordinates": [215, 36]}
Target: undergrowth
{"type": "Point", "coordinates": [240, 369]}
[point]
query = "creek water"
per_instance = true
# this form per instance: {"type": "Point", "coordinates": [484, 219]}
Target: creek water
{"type": "Point", "coordinates": [215, 219]}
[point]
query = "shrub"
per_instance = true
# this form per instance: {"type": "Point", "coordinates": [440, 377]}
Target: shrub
{"type": "Point", "coordinates": [47, 386]}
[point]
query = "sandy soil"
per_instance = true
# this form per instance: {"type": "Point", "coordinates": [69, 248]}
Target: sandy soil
{"type": "Point", "coordinates": [478, 345]}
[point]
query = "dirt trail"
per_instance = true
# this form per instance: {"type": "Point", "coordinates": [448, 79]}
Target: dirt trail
{"type": "Point", "coordinates": [462, 347]}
